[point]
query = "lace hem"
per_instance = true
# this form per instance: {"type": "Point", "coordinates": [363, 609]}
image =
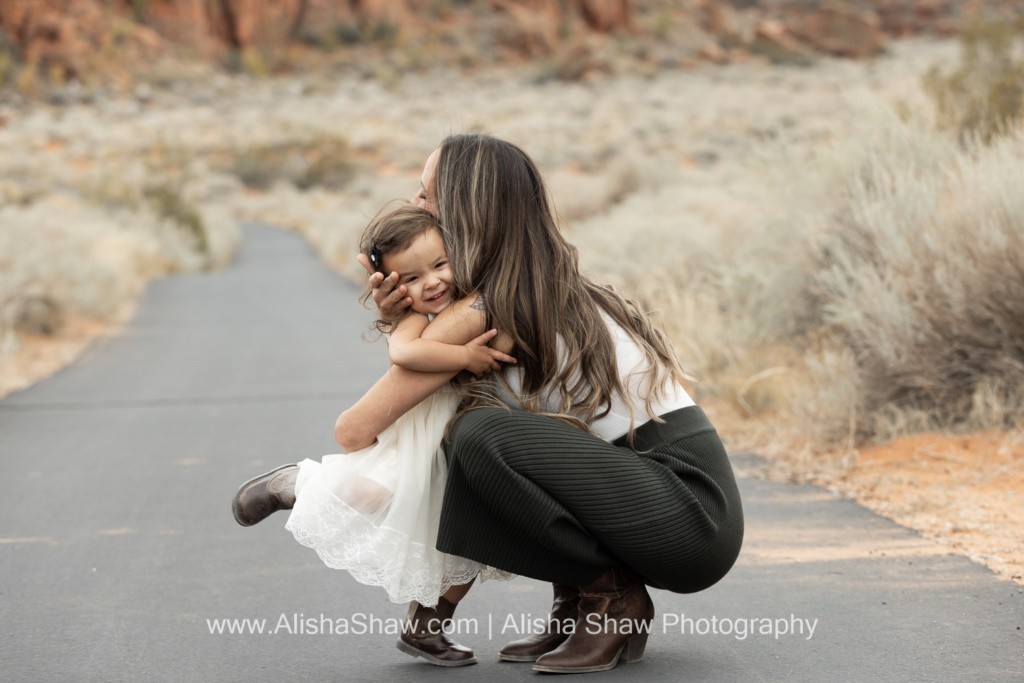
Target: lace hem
{"type": "Point", "coordinates": [378, 555]}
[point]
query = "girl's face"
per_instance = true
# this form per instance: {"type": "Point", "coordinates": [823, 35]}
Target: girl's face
{"type": "Point", "coordinates": [425, 198]}
{"type": "Point", "coordinates": [423, 269]}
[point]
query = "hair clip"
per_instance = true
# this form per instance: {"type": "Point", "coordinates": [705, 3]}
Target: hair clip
{"type": "Point", "coordinates": [375, 258]}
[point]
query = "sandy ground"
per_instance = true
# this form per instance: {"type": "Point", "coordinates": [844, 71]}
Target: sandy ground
{"type": "Point", "coordinates": [39, 356]}
{"type": "Point", "coordinates": [964, 491]}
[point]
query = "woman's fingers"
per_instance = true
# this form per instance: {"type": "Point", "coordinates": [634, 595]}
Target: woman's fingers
{"type": "Point", "coordinates": [380, 287]}
{"type": "Point", "coordinates": [384, 288]}
{"type": "Point", "coordinates": [397, 295]}
{"type": "Point", "coordinates": [391, 300]}
{"type": "Point", "coordinates": [393, 306]}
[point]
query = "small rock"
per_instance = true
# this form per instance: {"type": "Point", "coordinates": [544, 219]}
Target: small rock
{"type": "Point", "coordinates": [712, 52]}
{"type": "Point", "coordinates": [37, 313]}
{"type": "Point", "coordinates": [842, 31]}
{"type": "Point", "coordinates": [772, 40]}
{"type": "Point", "coordinates": [143, 93]}
{"type": "Point", "coordinates": [720, 19]}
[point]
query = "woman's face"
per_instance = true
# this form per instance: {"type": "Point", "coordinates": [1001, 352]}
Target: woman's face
{"type": "Point", "coordinates": [425, 198]}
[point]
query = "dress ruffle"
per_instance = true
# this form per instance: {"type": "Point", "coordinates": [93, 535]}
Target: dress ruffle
{"type": "Point", "coordinates": [375, 512]}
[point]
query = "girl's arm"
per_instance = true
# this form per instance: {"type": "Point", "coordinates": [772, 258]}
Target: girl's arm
{"type": "Point", "coordinates": [408, 349]}
{"type": "Point", "coordinates": [400, 389]}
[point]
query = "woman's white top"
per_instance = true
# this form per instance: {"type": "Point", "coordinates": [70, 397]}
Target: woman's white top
{"type": "Point", "coordinates": [633, 366]}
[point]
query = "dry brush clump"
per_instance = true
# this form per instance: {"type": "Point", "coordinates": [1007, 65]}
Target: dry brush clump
{"type": "Point", "coordinates": [318, 162]}
{"type": "Point", "coordinates": [984, 96]}
{"type": "Point", "coordinates": [889, 299]}
{"type": "Point", "coordinates": [90, 213]}
{"type": "Point", "coordinates": [922, 276]}
{"type": "Point", "coordinates": [712, 254]}
{"type": "Point", "coordinates": [861, 289]}
{"type": "Point", "coordinates": [87, 249]}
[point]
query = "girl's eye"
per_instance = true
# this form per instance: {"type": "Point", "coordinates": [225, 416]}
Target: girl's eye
{"type": "Point", "coordinates": [423, 195]}
{"type": "Point", "coordinates": [441, 264]}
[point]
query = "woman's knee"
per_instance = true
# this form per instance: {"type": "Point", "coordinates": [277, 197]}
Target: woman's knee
{"type": "Point", "coordinates": [695, 569]}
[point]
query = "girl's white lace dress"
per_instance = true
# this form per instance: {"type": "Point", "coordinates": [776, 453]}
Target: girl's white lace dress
{"type": "Point", "coordinates": [375, 512]}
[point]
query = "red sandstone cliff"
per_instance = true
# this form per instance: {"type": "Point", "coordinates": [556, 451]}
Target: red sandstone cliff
{"type": "Point", "coordinates": [68, 37]}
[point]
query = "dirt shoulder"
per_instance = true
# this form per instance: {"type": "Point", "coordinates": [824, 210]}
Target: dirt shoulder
{"type": "Point", "coordinates": [964, 491]}
{"type": "Point", "coordinates": [39, 356]}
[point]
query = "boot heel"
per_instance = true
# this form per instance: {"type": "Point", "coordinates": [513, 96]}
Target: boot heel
{"type": "Point", "coordinates": [634, 649]}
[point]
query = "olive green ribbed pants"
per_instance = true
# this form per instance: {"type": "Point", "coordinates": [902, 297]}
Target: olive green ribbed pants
{"type": "Point", "coordinates": [532, 495]}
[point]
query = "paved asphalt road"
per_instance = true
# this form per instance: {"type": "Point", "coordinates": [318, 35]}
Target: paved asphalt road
{"type": "Point", "coordinates": [118, 550]}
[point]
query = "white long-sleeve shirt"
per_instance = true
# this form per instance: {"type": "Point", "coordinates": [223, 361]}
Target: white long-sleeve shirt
{"type": "Point", "coordinates": [632, 366]}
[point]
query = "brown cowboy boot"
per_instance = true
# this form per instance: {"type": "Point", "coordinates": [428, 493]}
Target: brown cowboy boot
{"type": "Point", "coordinates": [615, 615]}
{"type": "Point", "coordinates": [259, 498]}
{"type": "Point", "coordinates": [423, 636]}
{"type": "Point", "coordinates": [564, 610]}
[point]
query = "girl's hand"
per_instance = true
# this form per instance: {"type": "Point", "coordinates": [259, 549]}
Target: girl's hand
{"type": "Point", "coordinates": [391, 301]}
{"type": "Point", "coordinates": [481, 358]}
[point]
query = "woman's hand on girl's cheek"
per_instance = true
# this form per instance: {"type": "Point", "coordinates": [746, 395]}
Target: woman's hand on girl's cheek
{"type": "Point", "coordinates": [391, 301]}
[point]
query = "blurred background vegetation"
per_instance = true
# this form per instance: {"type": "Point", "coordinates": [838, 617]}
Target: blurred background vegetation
{"type": "Point", "coordinates": [822, 200]}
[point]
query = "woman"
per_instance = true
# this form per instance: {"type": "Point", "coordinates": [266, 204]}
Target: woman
{"type": "Point", "coordinates": [587, 464]}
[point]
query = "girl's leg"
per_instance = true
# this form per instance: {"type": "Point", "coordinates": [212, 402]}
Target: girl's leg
{"type": "Point", "coordinates": [424, 634]}
{"type": "Point", "coordinates": [456, 593]}
{"type": "Point", "coordinates": [264, 495]}
{"type": "Point", "coordinates": [365, 495]}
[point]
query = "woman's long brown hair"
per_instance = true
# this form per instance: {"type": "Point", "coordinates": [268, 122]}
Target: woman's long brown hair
{"type": "Point", "coordinates": [503, 243]}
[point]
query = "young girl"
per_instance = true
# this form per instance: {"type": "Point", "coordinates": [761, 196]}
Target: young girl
{"type": "Point", "coordinates": [375, 512]}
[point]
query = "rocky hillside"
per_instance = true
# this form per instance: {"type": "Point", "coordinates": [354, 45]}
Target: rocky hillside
{"type": "Point", "coordinates": [101, 40]}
